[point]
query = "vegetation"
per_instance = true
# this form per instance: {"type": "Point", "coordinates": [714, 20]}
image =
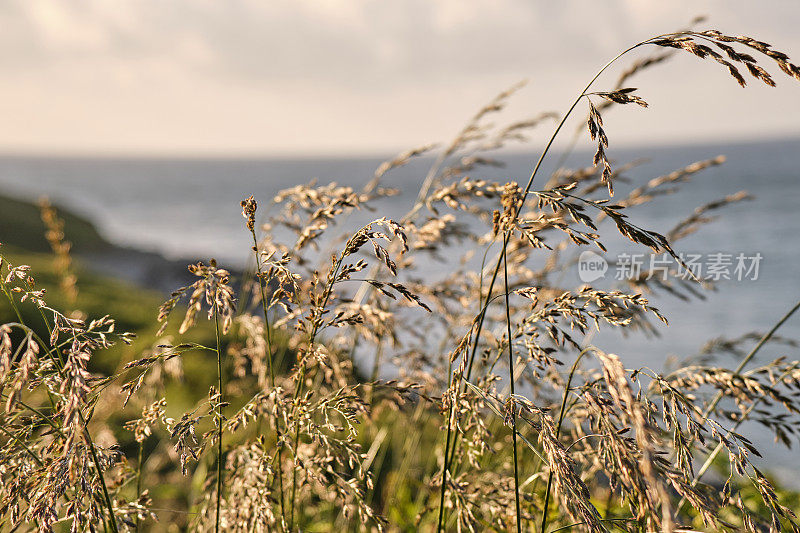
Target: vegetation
{"type": "Point", "coordinates": [22, 227]}
{"type": "Point", "coordinates": [266, 408]}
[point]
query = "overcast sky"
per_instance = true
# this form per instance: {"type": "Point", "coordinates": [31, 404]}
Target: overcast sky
{"type": "Point", "coordinates": [271, 77]}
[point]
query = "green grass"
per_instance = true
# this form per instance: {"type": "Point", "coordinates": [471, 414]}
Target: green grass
{"type": "Point", "coordinates": [21, 226]}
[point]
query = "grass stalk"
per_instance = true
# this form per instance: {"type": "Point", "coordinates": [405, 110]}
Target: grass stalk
{"type": "Point", "coordinates": [106, 496]}
{"type": "Point", "coordinates": [526, 192]}
{"type": "Point", "coordinates": [270, 366]}
{"type": "Point", "coordinates": [718, 397]}
{"type": "Point", "coordinates": [562, 412]}
{"type": "Point", "coordinates": [139, 476]}
{"type": "Point", "coordinates": [299, 390]}
{"type": "Point", "coordinates": [220, 470]}
{"type": "Point", "coordinates": [87, 435]}
{"type": "Point", "coordinates": [513, 408]}
{"type": "Point", "coordinates": [713, 455]}
{"type": "Point", "coordinates": [445, 469]}
{"type": "Point", "coordinates": [767, 336]}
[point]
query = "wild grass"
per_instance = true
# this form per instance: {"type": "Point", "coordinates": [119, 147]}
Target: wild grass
{"type": "Point", "coordinates": [477, 426]}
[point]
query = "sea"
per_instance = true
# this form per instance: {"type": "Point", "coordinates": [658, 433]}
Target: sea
{"type": "Point", "coordinates": [189, 209]}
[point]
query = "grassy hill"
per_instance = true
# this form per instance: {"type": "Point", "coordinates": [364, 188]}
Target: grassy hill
{"type": "Point", "coordinates": [21, 226]}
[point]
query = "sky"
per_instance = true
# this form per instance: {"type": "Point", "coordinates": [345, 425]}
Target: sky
{"type": "Point", "coordinates": [336, 77]}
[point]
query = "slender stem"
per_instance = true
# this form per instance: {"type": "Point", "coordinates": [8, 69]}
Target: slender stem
{"type": "Point", "coordinates": [570, 526]}
{"type": "Point", "coordinates": [106, 496]}
{"type": "Point", "coordinates": [713, 455]}
{"type": "Point", "coordinates": [299, 390]}
{"type": "Point", "coordinates": [11, 300]}
{"type": "Point", "coordinates": [376, 363]}
{"type": "Point", "coordinates": [561, 414]}
{"type": "Point", "coordinates": [41, 414]}
{"type": "Point", "coordinates": [482, 314]}
{"type": "Point", "coordinates": [764, 339]}
{"type": "Point", "coordinates": [445, 470]}
{"type": "Point", "coordinates": [511, 379]}
{"type": "Point", "coordinates": [268, 335]}
{"type": "Point", "coordinates": [52, 351]}
{"type": "Point", "coordinates": [41, 311]}
{"type": "Point", "coordinates": [219, 415]}
{"type": "Point", "coordinates": [139, 477]}
{"type": "Point", "coordinates": [752, 354]}
{"type": "Point", "coordinates": [448, 460]}
{"type": "Point", "coordinates": [483, 307]}
{"type": "Point", "coordinates": [267, 329]}
{"type": "Point", "coordinates": [86, 433]}
{"type": "Point", "coordinates": [294, 476]}
{"type": "Point", "coordinates": [21, 443]}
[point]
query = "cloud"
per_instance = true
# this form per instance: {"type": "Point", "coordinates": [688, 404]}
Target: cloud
{"type": "Point", "coordinates": [330, 74]}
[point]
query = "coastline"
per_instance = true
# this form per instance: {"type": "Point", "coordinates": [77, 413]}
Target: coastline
{"type": "Point", "coordinates": [22, 232]}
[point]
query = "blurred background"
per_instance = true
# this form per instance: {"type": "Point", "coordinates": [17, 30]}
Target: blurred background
{"type": "Point", "coordinates": [147, 122]}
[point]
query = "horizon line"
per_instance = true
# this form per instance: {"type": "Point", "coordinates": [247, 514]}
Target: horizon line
{"type": "Point", "coordinates": [231, 155]}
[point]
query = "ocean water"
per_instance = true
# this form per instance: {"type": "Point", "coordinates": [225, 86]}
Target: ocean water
{"type": "Point", "coordinates": [190, 209]}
